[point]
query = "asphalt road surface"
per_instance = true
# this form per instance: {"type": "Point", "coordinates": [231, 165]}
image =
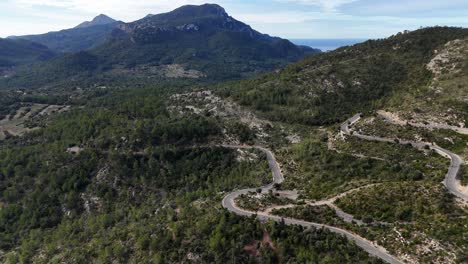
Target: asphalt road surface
{"type": "Point", "coordinates": [229, 204]}
{"type": "Point", "coordinates": [451, 180]}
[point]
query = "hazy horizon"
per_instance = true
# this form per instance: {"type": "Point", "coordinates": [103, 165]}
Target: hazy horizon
{"type": "Point", "coordinates": [327, 44]}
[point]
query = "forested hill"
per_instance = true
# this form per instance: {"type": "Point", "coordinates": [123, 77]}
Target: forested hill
{"type": "Point", "coordinates": [17, 52]}
{"type": "Point", "coordinates": [191, 42]}
{"type": "Point", "coordinates": [136, 191]}
{"type": "Point", "coordinates": [74, 39]}
{"type": "Point", "coordinates": [326, 88]}
{"type": "Point", "coordinates": [138, 175]}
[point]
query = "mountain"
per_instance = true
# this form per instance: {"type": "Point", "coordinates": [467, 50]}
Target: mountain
{"type": "Point", "coordinates": [85, 36]}
{"type": "Point", "coordinates": [205, 38]}
{"type": "Point", "coordinates": [376, 74]}
{"type": "Point", "coordinates": [18, 52]}
{"type": "Point", "coordinates": [99, 20]}
{"type": "Point", "coordinates": [158, 174]}
{"type": "Point", "coordinates": [201, 42]}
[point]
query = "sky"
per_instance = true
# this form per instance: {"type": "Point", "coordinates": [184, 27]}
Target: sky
{"type": "Point", "coordinates": [284, 18]}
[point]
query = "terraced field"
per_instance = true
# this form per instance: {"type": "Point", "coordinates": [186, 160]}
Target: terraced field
{"type": "Point", "coordinates": [20, 123]}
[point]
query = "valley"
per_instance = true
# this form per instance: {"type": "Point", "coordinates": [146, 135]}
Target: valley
{"type": "Point", "coordinates": [191, 137]}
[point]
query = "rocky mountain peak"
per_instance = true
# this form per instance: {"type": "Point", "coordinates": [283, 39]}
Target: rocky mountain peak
{"type": "Point", "coordinates": [99, 20]}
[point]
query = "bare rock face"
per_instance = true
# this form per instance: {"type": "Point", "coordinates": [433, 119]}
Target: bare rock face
{"type": "Point", "coordinates": [207, 18]}
{"type": "Point", "coordinates": [125, 28]}
{"type": "Point", "coordinates": [178, 71]}
{"type": "Point", "coordinates": [449, 59]}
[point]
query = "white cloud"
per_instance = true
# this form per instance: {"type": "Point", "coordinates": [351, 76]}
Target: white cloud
{"type": "Point", "coordinates": [287, 17]}
{"type": "Point", "coordinates": [120, 9]}
{"type": "Point", "coordinates": [325, 5]}
{"type": "Point", "coordinates": [297, 18]}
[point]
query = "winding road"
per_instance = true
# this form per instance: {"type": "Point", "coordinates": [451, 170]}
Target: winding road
{"type": "Point", "coordinates": [394, 119]}
{"type": "Point", "coordinates": [229, 203]}
{"type": "Point", "coordinates": [451, 180]}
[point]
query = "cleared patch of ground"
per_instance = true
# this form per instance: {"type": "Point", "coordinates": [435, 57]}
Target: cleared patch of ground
{"type": "Point", "coordinates": [178, 71]}
{"type": "Point", "coordinates": [445, 99]}
{"type": "Point", "coordinates": [256, 246]}
{"type": "Point", "coordinates": [15, 125]}
{"type": "Point", "coordinates": [168, 71]}
{"type": "Point", "coordinates": [261, 201]}
{"type": "Point", "coordinates": [246, 125]}
{"type": "Point", "coordinates": [448, 59]}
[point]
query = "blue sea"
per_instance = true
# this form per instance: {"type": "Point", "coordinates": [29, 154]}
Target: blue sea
{"type": "Point", "coordinates": [326, 44]}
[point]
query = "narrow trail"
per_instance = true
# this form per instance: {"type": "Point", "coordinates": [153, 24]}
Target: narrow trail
{"type": "Point", "coordinates": [451, 180]}
{"type": "Point", "coordinates": [394, 119]}
{"type": "Point", "coordinates": [229, 203]}
{"type": "Point", "coordinates": [340, 213]}
{"type": "Point", "coordinates": [330, 202]}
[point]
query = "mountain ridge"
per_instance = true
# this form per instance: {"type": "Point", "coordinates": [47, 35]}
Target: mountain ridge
{"type": "Point", "coordinates": [191, 38]}
{"type": "Point", "coordinates": [98, 20]}
{"type": "Point", "coordinates": [14, 52]}
{"type": "Point", "coordinates": [76, 189]}
{"type": "Point", "coordinates": [73, 39]}
{"type": "Point", "coordinates": [190, 18]}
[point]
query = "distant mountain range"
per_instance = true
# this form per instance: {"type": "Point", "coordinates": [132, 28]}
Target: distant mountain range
{"type": "Point", "coordinates": [97, 21]}
{"type": "Point", "coordinates": [191, 41]}
{"type": "Point", "coordinates": [14, 52]}
{"type": "Point", "coordinates": [82, 37]}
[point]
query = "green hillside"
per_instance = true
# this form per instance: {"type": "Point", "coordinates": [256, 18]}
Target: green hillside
{"type": "Point", "coordinates": [75, 39]}
{"type": "Point", "coordinates": [326, 88]}
{"type": "Point", "coordinates": [17, 52]}
{"type": "Point", "coordinates": [192, 42]}
{"type": "Point", "coordinates": [138, 191]}
{"type": "Point", "coordinates": [129, 150]}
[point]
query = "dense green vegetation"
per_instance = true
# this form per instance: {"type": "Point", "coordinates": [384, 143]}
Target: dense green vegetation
{"type": "Point", "coordinates": [139, 191]}
{"type": "Point", "coordinates": [444, 97]}
{"type": "Point", "coordinates": [447, 139]}
{"type": "Point", "coordinates": [8, 103]}
{"type": "Point", "coordinates": [124, 177]}
{"type": "Point", "coordinates": [326, 88]}
{"type": "Point", "coordinates": [187, 233]}
{"type": "Point", "coordinates": [427, 165]}
{"type": "Point", "coordinates": [321, 172]}
{"type": "Point", "coordinates": [74, 39]}
{"type": "Point", "coordinates": [426, 207]}
{"type": "Point", "coordinates": [253, 203]}
{"type": "Point", "coordinates": [17, 52]}
{"type": "Point", "coordinates": [202, 38]}
{"type": "Point", "coordinates": [464, 175]}
{"type": "Point", "coordinates": [404, 217]}
{"type": "Point", "coordinates": [400, 201]}
{"type": "Point", "coordinates": [315, 214]}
